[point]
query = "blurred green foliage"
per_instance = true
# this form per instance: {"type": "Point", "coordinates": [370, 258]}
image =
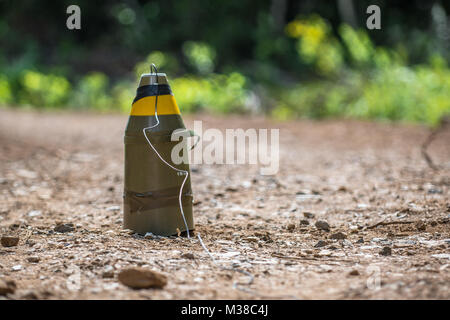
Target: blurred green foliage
{"type": "Point", "coordinates": [200, 56]}
{"type": "Point", "coordinates": [315, 44]}
{"type": "Point", "coordinates": [43, 90]}
{"type": "Point", "coordinates": [217, 93]}
{"type": "Point", "coordinates": [376, 83]}
{"type": "Point", "coordinates": [5, 91]}
{"type": "Point", "coordinates": [311, 65]}
{"type": "Point", "coordinates": [92, 91]}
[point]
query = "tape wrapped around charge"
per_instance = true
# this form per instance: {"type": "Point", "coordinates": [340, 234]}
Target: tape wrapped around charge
{"type": "Point", "coordinates": [141, 201]}
{"type": "Point", "coordinates": [152, 90]}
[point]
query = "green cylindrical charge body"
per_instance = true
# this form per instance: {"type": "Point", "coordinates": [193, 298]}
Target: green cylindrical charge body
{"type": "Point", "coordinates": [151, 191]}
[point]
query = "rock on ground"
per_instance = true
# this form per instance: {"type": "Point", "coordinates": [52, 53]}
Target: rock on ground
{"type": "Point", "coordinates": [138, 278]}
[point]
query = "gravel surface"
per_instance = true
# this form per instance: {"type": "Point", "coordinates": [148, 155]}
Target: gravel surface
{"type": "Point", "coordinates": [354, 213]}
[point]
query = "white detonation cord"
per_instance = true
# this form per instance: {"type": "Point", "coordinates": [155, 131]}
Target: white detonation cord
{"type": "Point", "coordinates": [185, 172]}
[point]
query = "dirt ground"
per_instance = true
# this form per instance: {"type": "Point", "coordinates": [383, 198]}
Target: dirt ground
{"type": "Point", "coordinates": [368, 181]}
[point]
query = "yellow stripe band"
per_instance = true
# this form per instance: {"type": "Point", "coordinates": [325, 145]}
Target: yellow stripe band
{"type": "Point", "coordinates": [146, 106]}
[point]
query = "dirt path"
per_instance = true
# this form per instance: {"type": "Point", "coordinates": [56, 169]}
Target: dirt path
{"type": "Point", "coordinates": [68, 168]}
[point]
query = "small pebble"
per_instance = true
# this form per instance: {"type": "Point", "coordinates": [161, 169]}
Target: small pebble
{"type": "Point", "coordinates": [304, 222]}
{"type": "Point", "coordinates": [322, 225]}
{"type": "Point", "coordinates": [17, 267]}
{"type": "Point", "coordinates": [113, 208]}
{"type": "Point", "coordinates": [108, 275]}
{"type": "Point", "coordinates": [188, 255]}
{"type": "Point", "coordinates": [9, 241]}
{"type": "Point", "coordinates": [33, 259]}
{"type": "Point", "coordinates": [308, 215]}
{"type": "Point", "coordinates": [290, 227]}
{"type": "Point", "coordinates": [34, 213]}
{"type": "Point", "coordinates": [386, 251]}
{"type": "Point", "coordinates": [65, 227]}
{"type": "Point", "coordinates": [320, 244]}
{"type": "Point", "coordinates": [421, 226]}
{"type": "Point", "coordinates": [435, 191]}
{"type": "Point", "coordinates": [138, 278]}
{"type": "Point", "coordinates": [338, 236]}
{"type": "Point", "coordinates": [354, 273]}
